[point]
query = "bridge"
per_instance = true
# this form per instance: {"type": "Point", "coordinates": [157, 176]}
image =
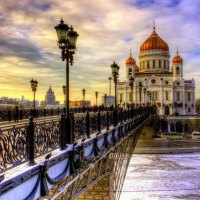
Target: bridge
{"type": "Point", "coordinates": [36, 162]}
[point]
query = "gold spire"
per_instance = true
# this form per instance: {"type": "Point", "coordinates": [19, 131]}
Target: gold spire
{"type": "Point", "coordinates": [177, 50]}
{"type": "Point", "coordinates": [130, 52]}
{"type": "Point", "coordinates": [154, 26]}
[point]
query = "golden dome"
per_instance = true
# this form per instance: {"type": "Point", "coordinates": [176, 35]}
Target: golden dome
{"type": "Point", "coordinates": [177, 58]}
{"type": "Point", "coordinates": [130, 60]}
{"type": "Point", "coordinates": [154, 42]}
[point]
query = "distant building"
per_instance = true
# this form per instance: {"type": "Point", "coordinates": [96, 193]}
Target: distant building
{"type": "Point", "coordinates": [50, 99]}
{"type": "Point", "coordinates": [6, 102]}
{"type": "Point", "coordinates": [81, 103]}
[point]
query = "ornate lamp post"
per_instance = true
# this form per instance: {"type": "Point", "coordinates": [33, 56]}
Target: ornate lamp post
{"type": "Point", "coordinates": [140, 91]}
{"type": "Point", "coordinates": [145, 90]}
{"type": "Point", "coordinates": [96, 95]}
{"type": "Point", "coordinates": [34, 88]}
{"type": "Point", "coordinates": [110, 79]}
{"type": "Point", "coordinates": [131, 83]}
{"type": "Point", "coordinates": [67, 43]}
{"type": "Point", "coordinates": [115, 73]}
{"type": "Point", "coordinates": [83, 91]}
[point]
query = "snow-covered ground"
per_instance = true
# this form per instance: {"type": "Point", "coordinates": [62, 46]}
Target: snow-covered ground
{"type": "Point", "coordinates": [166, 177]}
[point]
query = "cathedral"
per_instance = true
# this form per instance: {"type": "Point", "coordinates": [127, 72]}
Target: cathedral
{"type": "Point", "coordinates": [156, 82]}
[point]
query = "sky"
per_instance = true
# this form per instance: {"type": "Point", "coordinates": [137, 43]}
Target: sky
{"type": "Point", "coordinates": [107, 30]}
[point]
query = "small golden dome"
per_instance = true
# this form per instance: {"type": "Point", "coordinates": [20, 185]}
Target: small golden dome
{"type": "Point", "coordinates": [154, 42]}
{"type": "Point", "coordinates": [177, 58]}
{"type": "Point", "coordinates": [130, 60]}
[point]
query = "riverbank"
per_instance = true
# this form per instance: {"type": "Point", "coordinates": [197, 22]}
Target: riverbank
{"type": "Point", "coordinates": [165, 146]}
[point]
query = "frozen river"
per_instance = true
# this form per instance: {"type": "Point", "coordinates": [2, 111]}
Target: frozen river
{"type": "Point", "coordinates": [166, 177]}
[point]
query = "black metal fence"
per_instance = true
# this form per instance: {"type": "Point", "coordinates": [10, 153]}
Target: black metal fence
{"type": "Point", "coordinates": [26, 142]}
{"type": "Point", "coordinates": [17, 114]}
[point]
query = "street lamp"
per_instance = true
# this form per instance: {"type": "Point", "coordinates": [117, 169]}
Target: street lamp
{"type": "Point", "coordinates": [83, 91]}
{"type": "Point", "coordinates": [131, 83]}
{"type": "Point", "coordinates": [67, 38]}
{"type": "Point", "coordinates": [96, 95]}
{"type": "Point", "coordinates": [34, 88]}
{"type": "Point", "coordinates": [140, 92]}
{"type": "Point", "coordinates": [145, 90]}
{"type": "Point", "coordinates": [110, 79]}
{"type": "Point", "coordinates": [115, 73]}
{"type": "Point", "coordinates": [64, 89]}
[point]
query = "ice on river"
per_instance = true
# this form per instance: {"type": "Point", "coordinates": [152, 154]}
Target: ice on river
{"type": "Point", "coordinates": [164, 176]}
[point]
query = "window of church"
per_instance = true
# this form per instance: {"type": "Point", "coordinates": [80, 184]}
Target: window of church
{"type": "Point", "coordinates": [167, 95]}
{"type": "Point", "coordinates": [153, 81]}
{"type": "Point", "coordinates": [189, 109]}
{"type": "Point", "coordinates": [189, 96]}
{"type": "Point", "coordinates": [178, 83]}
{"type": "Point", "coordinates": [154, 64]}
{"type": "Point", "coordinates": [147, 64]}
{"type": "Point", "coordinates": [130, 96]}
{"type": "Point", "coordinates": [166, 82]}
{"type": "Point", "coordinates": [121, 98]}
{"type": "Point", "coordinates": [178, 96]}
{"type": "Point", "coordinates": [130, 71]}
{"type": "Point", "coordinates": [159, 63]}
{"type": "Point", "coordinates": [165, 64]}
{"type": "Point", "coordinates": [156, 96]}
{"type": "Point", "coordinates": [177, 70]}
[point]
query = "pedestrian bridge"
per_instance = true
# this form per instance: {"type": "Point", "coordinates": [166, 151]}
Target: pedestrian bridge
{"type": "Point", "coordinates": [93, 167]}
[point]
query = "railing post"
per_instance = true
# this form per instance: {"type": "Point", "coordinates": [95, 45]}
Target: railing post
{"type": "Point", "coordinates": [99, 121]}
{"type": "Point", "coordinates": [31, 142]}
{"type": "Point", "coordinates": [115, 117]}
{"type": "Point", "coordinates": [121, 115]}
{"type": "Point", "coordinates": [107, 120]}
{"type": "Point", "coordinates": [128, 113]}
{"type": "Point", "coordinates": [88, 125]}
{"type": "Point", "coordinates": [69, 128]}
{"type": "Point", "coordinates": [9, 115]}
{"type": "Point", "coordinates": [21, 114]}
{"type": "Point", "coordinates": [62, 136]}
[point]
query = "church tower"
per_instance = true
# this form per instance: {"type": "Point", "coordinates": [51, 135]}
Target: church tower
{"type": "Point", "coordinates": [130, 67]}
{"type": "Point", "coordinates": [177, 66]}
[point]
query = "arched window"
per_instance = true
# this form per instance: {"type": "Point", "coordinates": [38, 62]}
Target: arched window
{"type": "Point", "coordinates": [159, 63]}
{"type": "Point", "coordinates": [172, 127]}
{"type": "Point", "coordinates": [130, 72]}
{"type": "Point", "coordinates": [154, 64]}
{"type": "Point", "coordinates": [177, 70]}
{"type": "Point", "coordinates": [147, 64]}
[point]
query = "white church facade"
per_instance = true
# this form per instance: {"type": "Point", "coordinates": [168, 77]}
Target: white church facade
{"type": "Point", "coordinates": [155, 82]}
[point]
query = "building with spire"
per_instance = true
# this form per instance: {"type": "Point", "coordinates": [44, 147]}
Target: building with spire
{"type": "Point", "coordinates": [155, 82]}
{"type": "Point", "coordinates": [50, 99]}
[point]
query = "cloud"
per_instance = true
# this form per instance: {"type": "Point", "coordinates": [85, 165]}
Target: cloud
{"type": "Point", "coordinates": [107, 30]}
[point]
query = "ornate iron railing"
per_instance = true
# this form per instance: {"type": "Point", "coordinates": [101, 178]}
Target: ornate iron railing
{"type": "Point", "coordinates": [23, 143]}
